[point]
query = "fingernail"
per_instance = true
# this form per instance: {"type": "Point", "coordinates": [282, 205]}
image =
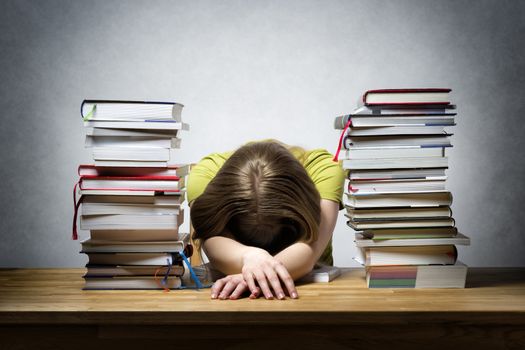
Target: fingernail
{"type": "Point", "coordinates": [214, 296]}
{"type": "Point", "coordinates": [294, 295]}
{"type": "Point", "coordinates": [281, 296]}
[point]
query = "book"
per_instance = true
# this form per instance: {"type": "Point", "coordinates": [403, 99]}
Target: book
{"type": "Point", "coordinates": [390, 152]}
{"type": "Point", "coordinates": [458, 239]}
{"type": "Point", "coordinates": [127, 209]}
{"type": "Point", "coordinates": [398, 174]}
{"type": "Point", "coordinates": [394, 186]}
{"type": "Point", "coordinates": [115, 132]}
{"type": "Point", "coordinates": [146, 125]}
{"type": "Point", "coordinates": [131, 163]}
{"type": "Point", "coordinates": [412, 96]}
{"type": "Point", "coordinates": [396, 163]}
{"type": "Point", "coordinates": [409, 233]}
{"type": "Point", "coordinates": [155, 201]}
{"type": "Point", "coordinates": [111, 110]}
{"type": "Point", "coordinates": [125, 270]}
{"type": "Point", "coordinates": [423, 276]}
{"type": "Point", "coordinates": [321, 274]}
{"type": "Point", "coordinates": [409, 200]}
{"type": "Point", "coordinates": [131, 235]}
{"type": "Point", "coordinates": [130, 282]}
{"type": "Point", "coordinates": [171, 170]}
{"type": "Point", "coordinates": [398, 213]}
{"type": "Point", "coordinates": [101, 246]}
{"type": "Point", "coordinates": [131, 222]}
{"type": "Point", "coordinates": [110, 142]}
{"type": "Point", "coordinates": [157, 183]}
{"type": "Point", "coordinates": [434, 120]}
{"type": "Point", "coordinates": [411, 255]}
{"type": "Point", "coordinates": [396, 141]}
{"type": "Point", "coordinates": [144, 154]}
{"type": "Point", "coordinates": [399, 130]}
{"type": "Point", "coordinates": [386, 223]}
{"type": "Point", "coordinates": [151, 259]}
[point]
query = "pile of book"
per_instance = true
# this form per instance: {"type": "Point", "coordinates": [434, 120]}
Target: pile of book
{"type": "Point", "coordinates": [394, 146]}
{"type": "Point", "coordinates": [131, 199]}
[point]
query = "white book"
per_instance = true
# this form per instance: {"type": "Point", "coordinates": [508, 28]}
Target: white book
{"type": "Point", "coordinates": [155, 259]}
{"type": "Point", "coordinates": [396, 141]}
{"type": "Point", "coordinates": [399, 130]}
{"type": "Point", "coordinates": [147, 125]}
{"type": "Point", "coordinates": [130, 110]}
{"type": "Point", "coordinates": [131, 222]}
{"type": "Point", "coordinates": [382, 224]}
{"type": "Point", "coordinates": [116, 270]}
{"type": "Point", "coordinates": [122, 192]}
{"type": "Point", "coordinates": [101, 246]}
{"type": "Point", "coordinates": [366, 121]}
{"type": "Point", "coordinates": [156, 201]}
{"type": "Point", "coordinates": [362, 242]}
{"type": "Point", "coordinates": [131, 163]}
{"type": "Point", "coordinates": [397, 213]}
{"type": "Point", "coordinates": [131, 153]}
{"type": "Point", "coordinates": [422, 199]}
{"type": "Point", "coordinates": [123, 184]}
{"type": "Point", "coordinates": [407, 152]}
{"type": "Point", "coordinates": [398, 174]}
{"type": "Point", "coordinates": [395, 186]}
{"type": "Point", "coordinates": [130, 283]}
{"type": "Point", "coordinates": [321, 274]}
{"type": "Point", "coordinates": [125, 209]}
{"type": "Point", "coordinates": [396, 163]}
{"type": "Point", "coordinates": [412, 255]}
{"type": "Point", "coordinates": [112, 142]}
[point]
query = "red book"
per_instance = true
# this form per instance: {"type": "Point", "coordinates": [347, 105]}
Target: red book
{"type": "Point", "coordinates": [407, 97]}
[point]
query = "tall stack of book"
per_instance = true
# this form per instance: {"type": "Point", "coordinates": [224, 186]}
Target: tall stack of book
{"type": "Point", "coordinates": [131, 199]}
{"type": "Point", "coordinates": [395, 145]}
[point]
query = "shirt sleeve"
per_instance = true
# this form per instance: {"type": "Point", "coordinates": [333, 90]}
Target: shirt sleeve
{"type": "Point", "coordinates": [202, 173]}
{"type": "Point", "coordinates": [327, 175]}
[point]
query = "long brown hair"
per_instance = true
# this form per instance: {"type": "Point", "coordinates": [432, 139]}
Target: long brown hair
{"type": "Point", "coordinates": [262, 196]}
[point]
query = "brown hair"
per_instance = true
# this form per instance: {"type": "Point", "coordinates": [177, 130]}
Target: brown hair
{"type": "Point", "coordinates": [262, 196]}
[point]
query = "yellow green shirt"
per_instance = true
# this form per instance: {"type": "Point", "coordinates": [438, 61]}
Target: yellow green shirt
{"type": "Point", "coordinates": [328, 177]}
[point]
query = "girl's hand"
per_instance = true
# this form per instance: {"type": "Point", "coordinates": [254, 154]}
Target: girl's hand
{"type": "Point", "coordinates": [231, 287]}
{"type": "Point", "coordinates": [262, 269]}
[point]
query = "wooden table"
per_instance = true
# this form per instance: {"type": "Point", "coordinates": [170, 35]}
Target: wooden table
{"type": "Point", "coordinates": [46, 308]}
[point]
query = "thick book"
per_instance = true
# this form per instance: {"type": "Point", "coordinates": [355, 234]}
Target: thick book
{"type": "Point", "coordinates": [410, 200]}
{"type": "Point", "coordinates": [132, 222]}
{"type": "Point", "coordinates": [157, 183]}
{"type": "Point", "coordinates": [131, 163]}
{"type": "Point", "coordinates": [391, 152]}
{"type": "Point", "coordinates": [409, 233]}
{"type": "Point", "coordinates": [139, 125]}
{"type": "Point", "coordinates": [411, 255]}
{"type": "Point", "coordinates": [423, 276]}
{"type": "Point", "coordinates": [110, 142]}
{"type": "Point", "coordinates": [399, 130]}
{"type": "Point", "coordinates": [409, 223]}
{"type": "Point", "coordinates": [112, 132]}
{"type": "Point", "coordinates": [156, 201]}
{"type": "Point", "coordinates": [127, 209]}
{"type": "Point", "coordinates": [125, 270]}
{"type": "Point", "coordinates": [398, 174]}
{"type": "Point", "coordinates": [151, 259]}
{"type": "Point", "coordinates": [398, 213]}
{"type": "Point", "coordinates": [459, 239]}
{"type": "Point", "coordinates": [120, 110]}
{"type": "Point", "coordinates": [100, 246]}
{"type": "Point", "coordinates": [395, 186]}
{"type": "Point", "coordinates": [389, 141]}
{"type": "Point", "coordinates": [144, 154]}
{"type": "Point", "coordinates": [179, 170]}
{"type": "Point", "coordinates": [366, 121]}
{"type": "Point", "coordinates": [396, 163]}
{"type": "Point", "coordinates": [412, 96]}
{"type": "Point", "coordinates": [131, 235]}
{"type": "Point", "coordinates": [131, 282]}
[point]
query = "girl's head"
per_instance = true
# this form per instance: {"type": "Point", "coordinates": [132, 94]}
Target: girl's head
{"type": "Point", "coordinates": [262, 196]}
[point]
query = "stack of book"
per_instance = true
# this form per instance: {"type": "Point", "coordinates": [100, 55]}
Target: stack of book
{"type": "Point", "coordinates": [131, 199]}
{"type": "Point", "coordinates": [395, 145]}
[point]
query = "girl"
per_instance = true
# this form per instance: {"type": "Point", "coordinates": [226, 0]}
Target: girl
{"type": "Point", "coordinates": [264, 215]}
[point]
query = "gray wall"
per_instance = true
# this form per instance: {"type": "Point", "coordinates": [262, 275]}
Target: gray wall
{"type": "Point", "coordinates": [255, 69]}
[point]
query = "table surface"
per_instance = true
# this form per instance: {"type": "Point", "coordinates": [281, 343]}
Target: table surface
{"type": "Point", "coordinates": [55, 296]}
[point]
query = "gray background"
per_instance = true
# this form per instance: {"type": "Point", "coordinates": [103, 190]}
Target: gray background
{"type": "Point", "coordinates": [250, 70]}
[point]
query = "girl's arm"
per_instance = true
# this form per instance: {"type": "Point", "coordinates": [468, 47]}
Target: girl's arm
{"type": "Point", "coordinates": [255, 264]}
